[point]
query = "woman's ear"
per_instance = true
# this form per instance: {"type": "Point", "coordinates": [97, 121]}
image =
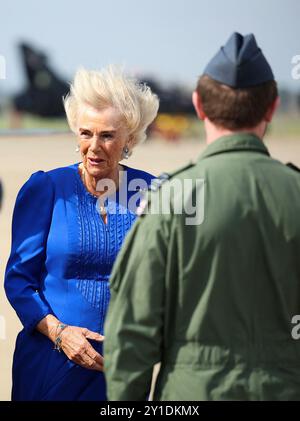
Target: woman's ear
{"type": "Point", "coordinates": [198, 105]}
{"type": "Point", "coordinates": [271, 111]}
{"type": "Point", "coordinates": [130, 141]}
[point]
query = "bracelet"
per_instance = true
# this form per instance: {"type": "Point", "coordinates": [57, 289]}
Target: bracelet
{"type": "Point", "coordinates": [57, 342]}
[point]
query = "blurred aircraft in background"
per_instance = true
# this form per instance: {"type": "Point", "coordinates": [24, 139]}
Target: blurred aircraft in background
{"type": "Point", "coordinates": [173, 100]}
{"type": "Point", "coordinates": [44, 89]}
{"type": "Point", "coordinates": [175, 110]}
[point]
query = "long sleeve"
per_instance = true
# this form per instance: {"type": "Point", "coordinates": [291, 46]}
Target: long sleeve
{"type": "Point", "coordinates": [134, 325]}
{"type": "Point", "coordinates": [31, 222]}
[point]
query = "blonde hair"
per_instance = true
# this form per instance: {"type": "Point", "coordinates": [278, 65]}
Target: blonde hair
{"type": "Point", "coordinates": [110, 87]}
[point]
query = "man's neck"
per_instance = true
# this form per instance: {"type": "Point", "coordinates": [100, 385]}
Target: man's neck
{"type": "Point", "coordinates": [213, 132]}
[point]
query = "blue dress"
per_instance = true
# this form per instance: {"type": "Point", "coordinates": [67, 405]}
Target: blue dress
{"type": "Point", "coordinates": [61, 259]}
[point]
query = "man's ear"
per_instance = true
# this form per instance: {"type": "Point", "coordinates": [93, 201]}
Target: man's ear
{"type": "Point", "coordinates": [271, 111]}
{"type": "Point", "coordinates": [198, 105]}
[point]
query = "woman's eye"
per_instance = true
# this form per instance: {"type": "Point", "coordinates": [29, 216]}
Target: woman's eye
{"type": "Point", "coordinates": [85, 135]}
{"type": "Point", "coordinates": [107, 136]}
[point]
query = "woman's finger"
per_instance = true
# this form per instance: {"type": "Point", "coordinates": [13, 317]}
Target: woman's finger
{"type": "Point", "coordinates": [93, 335]}
{"type": "Point", "coordinates": [95, 355]}
{"type": "Point", "coordinates": [89, 363]}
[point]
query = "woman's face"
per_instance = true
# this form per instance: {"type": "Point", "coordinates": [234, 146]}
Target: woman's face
{"type": "Point", "coordinates": [102, 137]}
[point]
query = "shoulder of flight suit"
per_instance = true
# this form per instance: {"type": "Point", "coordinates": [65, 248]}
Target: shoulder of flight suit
{"type": "Point", "coordinates": [157, 183]}
{"type": "Point", "coordinates": [293, 166]}
{"type": "Point", "coordinates": [163, 177]}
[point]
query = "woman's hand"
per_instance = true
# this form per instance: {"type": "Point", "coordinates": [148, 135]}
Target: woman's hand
{"type": "Point", "coordinates": [77, 348]}
{"type": "Point", "coordinates": [74, 342]}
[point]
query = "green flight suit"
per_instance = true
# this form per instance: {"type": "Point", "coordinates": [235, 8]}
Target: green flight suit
{"type": "Point", "coordinates": [213, 302]}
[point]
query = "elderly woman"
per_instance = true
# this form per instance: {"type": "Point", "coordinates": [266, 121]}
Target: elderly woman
{"type": "Point", "coordinates": [68, 226]}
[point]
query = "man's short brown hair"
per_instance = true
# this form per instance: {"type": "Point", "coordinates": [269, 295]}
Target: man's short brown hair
{"type": "Point", "coordinates": [232, 108]}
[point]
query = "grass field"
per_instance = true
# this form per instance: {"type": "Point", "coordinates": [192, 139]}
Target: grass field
{"type": "Point", "coordinates": [283, 125]}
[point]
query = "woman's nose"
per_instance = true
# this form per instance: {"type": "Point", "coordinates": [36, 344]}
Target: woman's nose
{"type": "Point", "coordinates": [95, 143]}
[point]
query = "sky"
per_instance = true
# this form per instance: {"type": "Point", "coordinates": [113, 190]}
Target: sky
{"type": "Point", "coordinates": [171, 39]}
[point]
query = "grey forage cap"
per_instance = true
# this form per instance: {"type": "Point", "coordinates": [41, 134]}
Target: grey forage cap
{"type": "Point", "coordinates": [240, 63]}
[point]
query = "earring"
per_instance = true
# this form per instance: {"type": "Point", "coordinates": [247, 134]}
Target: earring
{"type": "Point", "coordinates": [126, 152]}
{"type": "Point", "coordinates": [77, 149]}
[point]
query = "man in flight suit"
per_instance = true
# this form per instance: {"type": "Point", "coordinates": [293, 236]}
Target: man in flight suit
{"type": "Point", "coordinates": [214, 299]}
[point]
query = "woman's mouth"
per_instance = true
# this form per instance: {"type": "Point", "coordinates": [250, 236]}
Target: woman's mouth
{"type": "Point", "coordinates": [95, 161]}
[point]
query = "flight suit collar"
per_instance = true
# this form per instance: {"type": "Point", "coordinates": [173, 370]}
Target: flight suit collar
{"type": "Point", "coordinates": [236, 142]}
